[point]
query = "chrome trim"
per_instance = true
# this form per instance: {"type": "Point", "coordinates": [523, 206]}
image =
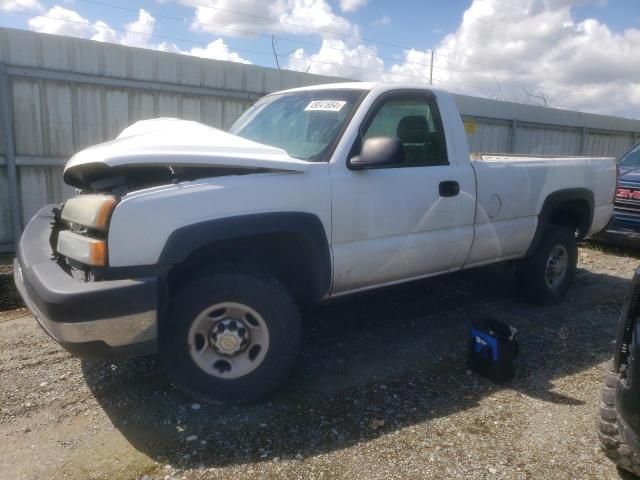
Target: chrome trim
{"type": "Point", "coordinates": [115, 332]}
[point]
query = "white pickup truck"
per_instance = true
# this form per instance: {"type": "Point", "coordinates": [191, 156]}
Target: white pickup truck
{"type": "Point", "coordinates": [203, 244]}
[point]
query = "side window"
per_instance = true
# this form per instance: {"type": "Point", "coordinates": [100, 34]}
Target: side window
{"type": "Point", "coordinates": [632, 158]}
{"type": "Point", "coordinates": [415, 120]}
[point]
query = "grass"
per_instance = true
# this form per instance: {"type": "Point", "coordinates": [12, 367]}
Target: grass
{"type": "Point", "coordinates": [619, 250]}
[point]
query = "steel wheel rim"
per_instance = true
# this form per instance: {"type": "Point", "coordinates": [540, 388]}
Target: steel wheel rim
{"type": "Point", "coordinates": [222, 350]}
{"type": "Point", "coordinates": [557, 266]}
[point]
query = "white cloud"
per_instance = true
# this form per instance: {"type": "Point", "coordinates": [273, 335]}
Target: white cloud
{"type": "Point", "coordinates": [276, 16]}
{"type": "Point", "coordinates": [532, 51]}
{"type": "Point", "coordinates": [535, 51]}
{"type": "Point", "coordinates": [21, 5]}
{"type": "Point", "coordinates": [414, 68]}
{"type": "Point", "coordinates": [360, 62]}
{"type": "Point", "coordinates": [336, 58]}
{"type": "Point", "coordinates": [138, 33]}
{"type": "Point", "coordinates": [383, 20]}
{"type": "Point", "coordinates": [352, 5]}
{"type": "Point", "coordinates": [529, 50]}
{"type": "Point", "coordinates": [216, 50]}
{"type": "Point", "coordinates": [104, 33]}
{"type": "Point", "coordinates": [61, 21]}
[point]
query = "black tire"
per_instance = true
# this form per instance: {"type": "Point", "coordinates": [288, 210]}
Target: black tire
{"type": "Point", "coordinates": [263, 294]}
{"type": "Point", "coordinates": [532, 271]}
{"type": "Point", "coordinates": [611, 441]}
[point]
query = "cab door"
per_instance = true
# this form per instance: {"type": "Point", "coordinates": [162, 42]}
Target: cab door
{"type": "Point", "coordinates": [404, 221]}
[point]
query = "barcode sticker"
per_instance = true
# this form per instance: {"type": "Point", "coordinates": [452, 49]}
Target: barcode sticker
{"type": "Point", "coordinates": [326, 105]}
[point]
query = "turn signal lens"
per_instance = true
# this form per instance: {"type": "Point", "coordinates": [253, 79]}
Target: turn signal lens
{"type": "Point", "coordinates": [98, 253]}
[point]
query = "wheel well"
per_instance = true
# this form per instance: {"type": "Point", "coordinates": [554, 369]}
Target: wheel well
{"type": "Point", "coordinates": [289, 257]}
{"type": "Point", "coordinates": [572, 214]}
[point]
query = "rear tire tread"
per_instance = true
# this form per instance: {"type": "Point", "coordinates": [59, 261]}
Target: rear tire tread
{"type": "Point", "coordinates": [609, 435]}
{"type": "Point", "coordinates": [531, 270]}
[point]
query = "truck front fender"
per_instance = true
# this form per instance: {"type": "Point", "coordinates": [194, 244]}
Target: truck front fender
{"type": "Point", "coordinates": [306, 228]}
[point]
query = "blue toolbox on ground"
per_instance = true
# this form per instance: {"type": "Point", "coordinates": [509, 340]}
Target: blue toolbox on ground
{"type": "Point", "coordinates": [493, 347]}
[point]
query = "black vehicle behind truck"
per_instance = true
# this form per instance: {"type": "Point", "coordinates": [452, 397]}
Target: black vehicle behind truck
{"type": "Point", "coordinates": [619, 425]}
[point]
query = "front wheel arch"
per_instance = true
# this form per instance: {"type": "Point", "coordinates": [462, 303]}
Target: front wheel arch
{"type": "Point", "coordinates": [290, 246]}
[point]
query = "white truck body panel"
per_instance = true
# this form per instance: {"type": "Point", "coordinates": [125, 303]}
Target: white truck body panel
{"type": "Point", "coordinates": [156, 213]}
{"type": "Point", "coordinates": [384, 226]}
{"type": "Point", "coordinates": [512, 189]}
{"type": "Point", "coordinates": [391, 224]}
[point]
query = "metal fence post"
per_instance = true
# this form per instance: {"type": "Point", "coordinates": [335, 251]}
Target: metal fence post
{"type": "Point", "coordinates": [583, 140]}
{"type": "Point", "coordinates": [6, 114]}
{"type": "Point", "coordinates": [513, 137]}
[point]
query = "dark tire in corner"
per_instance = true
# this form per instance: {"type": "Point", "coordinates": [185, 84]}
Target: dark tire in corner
{"type": "Point", "coordinates": [546, 275]}
{"type": "Point", "coordinates": [611, 441]}
{"type": "Point", "coordinates": [230, 337]}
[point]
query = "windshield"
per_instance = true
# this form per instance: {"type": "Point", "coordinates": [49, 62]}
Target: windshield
{"type": "Point", "coordinates": [631, 158]}
{"type": "Point", "coordinates": [305, 124]}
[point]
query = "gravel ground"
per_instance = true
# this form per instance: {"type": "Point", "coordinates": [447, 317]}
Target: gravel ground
{"type": "Point", "coordinates": [381, 392]}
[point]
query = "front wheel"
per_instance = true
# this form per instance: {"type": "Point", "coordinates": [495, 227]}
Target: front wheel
{"type": "Point", "coordinates": [230, 337]}
{"type": "Point", "coordinates": [546, 275]}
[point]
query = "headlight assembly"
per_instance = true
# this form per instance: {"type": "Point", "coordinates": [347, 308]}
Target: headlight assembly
{"type": "Point", "coordinates": [91, 211]}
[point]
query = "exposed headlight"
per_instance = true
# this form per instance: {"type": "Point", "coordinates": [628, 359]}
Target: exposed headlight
{"type": "Point", "coordinates": [89, 251]}
{"type": "Point", "coordinates": [92, 211]}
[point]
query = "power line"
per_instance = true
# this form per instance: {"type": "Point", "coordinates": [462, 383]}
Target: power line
{"type": "Point", "coordinates": [320, 30]}
{"type": "Point", "coordinates": [201, 44]}
{"type": "Point", "coordinates": [429, 66]}
{"type": "Point", "coordinates": [335, 33]}
{"type": "Point", "coordinates": [125, 30]}
{"type": "Point", "coordinates": [304, 27]}
{"type": "Point", "coordinates": [247, 32]}
{"type": "Point", "coordinates": [420, 76]}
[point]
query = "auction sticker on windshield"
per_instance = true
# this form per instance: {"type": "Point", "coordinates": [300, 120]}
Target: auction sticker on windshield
{"type": "Point", "coordinates": [326, 105]}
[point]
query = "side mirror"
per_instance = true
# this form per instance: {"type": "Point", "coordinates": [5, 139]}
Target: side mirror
{"type": "Point", "coordinates": [378, 152]}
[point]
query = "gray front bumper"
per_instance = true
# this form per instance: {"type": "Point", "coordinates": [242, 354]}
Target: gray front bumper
{"type": "Point", "coordinates": [106, 319]}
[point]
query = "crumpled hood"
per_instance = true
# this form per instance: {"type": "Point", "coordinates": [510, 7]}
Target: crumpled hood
{"type": "Point", "coordinates": [175, 142]}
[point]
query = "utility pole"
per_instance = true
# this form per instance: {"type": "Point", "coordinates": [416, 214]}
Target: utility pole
{"type": "Point", "coordinates": [431, 69]}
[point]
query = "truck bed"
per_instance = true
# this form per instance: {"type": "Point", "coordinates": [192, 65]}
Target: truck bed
{"type": "Point", "coordinates": [511, 189]}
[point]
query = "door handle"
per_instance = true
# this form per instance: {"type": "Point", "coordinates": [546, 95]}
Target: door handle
{"type": "Point", "coordinates": [449, 188]}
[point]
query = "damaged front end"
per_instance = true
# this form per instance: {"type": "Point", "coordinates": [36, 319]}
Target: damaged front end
{"type": "Point", "coordinates": [149, 154]}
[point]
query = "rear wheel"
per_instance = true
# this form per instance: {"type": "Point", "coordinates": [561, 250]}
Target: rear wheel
{"type": "Point", "coordinates": [546, 275]}
{"type": "Point", "coordinates": [231, 337]}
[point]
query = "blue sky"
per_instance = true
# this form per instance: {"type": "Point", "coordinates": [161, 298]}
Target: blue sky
{"type": "Point", "coordinates": [564, 53]}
